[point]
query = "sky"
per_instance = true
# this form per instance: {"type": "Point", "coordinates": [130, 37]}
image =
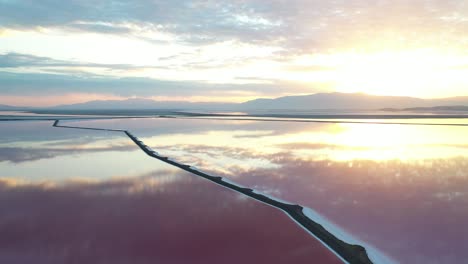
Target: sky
{"type": "Point", "coordinates": [58, 52]}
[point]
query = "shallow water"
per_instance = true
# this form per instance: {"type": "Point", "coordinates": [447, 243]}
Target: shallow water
{"type": "Point", "coordinates": [36, 151]}
{"type": "Point", "coordinates": [81, 196]}
{"type": "Point", "coordinates": [401, 188]}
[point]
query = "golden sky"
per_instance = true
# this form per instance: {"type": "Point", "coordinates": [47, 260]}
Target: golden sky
{"type": "Point", "coordinates": [230, 51]}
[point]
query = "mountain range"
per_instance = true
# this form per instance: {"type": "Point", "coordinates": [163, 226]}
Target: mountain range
{"type": "Point", "coordinates": [10, 108]}
{"type": "Point", "coordinates": [139, 103]}
{"type": "Point", "coordinates": [302, 102]}
{"type": "Point", "coordinates": [350, 101]}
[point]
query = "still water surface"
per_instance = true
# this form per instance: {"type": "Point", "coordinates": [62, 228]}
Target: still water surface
{"type": "Point", "coordinates": [80, 196]}
{"type": "Point", "coordinates": [400, 188]}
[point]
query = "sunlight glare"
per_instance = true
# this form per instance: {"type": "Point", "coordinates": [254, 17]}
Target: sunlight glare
{"type": "Point", "coordinates": [401, 73]}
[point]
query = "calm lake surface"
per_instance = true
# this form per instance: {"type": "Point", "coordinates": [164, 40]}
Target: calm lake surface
{"type": "Point", "coordinates": [400, 188]}
{"type": "Point", "coordinates": [83, 196]}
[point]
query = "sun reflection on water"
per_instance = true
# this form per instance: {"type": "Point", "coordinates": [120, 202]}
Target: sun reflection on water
{"type": "Point", "coordinates": [379, 142]}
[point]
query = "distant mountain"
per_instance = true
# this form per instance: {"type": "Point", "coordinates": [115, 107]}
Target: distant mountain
{"type": "Point", "coordinates": [139, 104]}
{"type": "Point", "coordinates": [348, 101]}
{"type": "Point", "coordinates": [10, 108]}
{"type": "Point", "coordinates": [435, 109]}
{"type": "Point", "coordinates": [320, 101]}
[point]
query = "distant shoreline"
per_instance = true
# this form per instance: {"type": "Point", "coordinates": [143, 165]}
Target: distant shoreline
{"type": "Point", "coordinates": [156, 112]}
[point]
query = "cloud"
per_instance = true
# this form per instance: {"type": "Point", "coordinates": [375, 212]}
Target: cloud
{"type": "Point", "coordinates": [194, 21]}
{"type": "Point", "coordinates": [298, 25]}
{"type": "Point", "coordinates": [187, 60]}
{"type": "Point", "coordinates": [27, 74]}
{"type": "Point", "coordinates": [52, 84]}
{"type": "Point", "coordinates": [232, 41]}
{"type": "Point", "coordinates": [18, 60]}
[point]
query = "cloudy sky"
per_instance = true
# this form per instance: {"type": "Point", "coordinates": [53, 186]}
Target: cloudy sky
{"type": "Point", "coordinates": [55, 51]}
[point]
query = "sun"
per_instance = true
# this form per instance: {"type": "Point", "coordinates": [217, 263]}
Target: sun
{"type": "Point", "coordinates": [420, 74]}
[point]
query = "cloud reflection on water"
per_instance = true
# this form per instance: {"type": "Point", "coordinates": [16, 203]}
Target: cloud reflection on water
{"type": "Point", "coordinates": [18, 155]}
{"type": "Point", "coordinates": [395, 205]}
{"type": "Point", "coordinates": [402, 188]}
{"type": "Point", "coordinates": [163, 217]}
{"type": "Point", "coordinates": [36, 151]}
